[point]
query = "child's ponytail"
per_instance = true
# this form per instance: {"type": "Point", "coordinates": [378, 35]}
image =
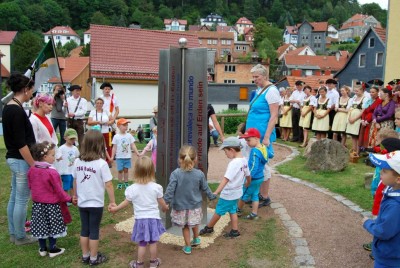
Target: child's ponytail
{"type": "Point", "coordinates": [187, 157]}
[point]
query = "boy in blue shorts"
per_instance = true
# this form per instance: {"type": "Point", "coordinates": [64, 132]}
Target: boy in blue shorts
{"type": "Point", "coordinates": [123, 145]}
{"type": "Point", "coordinates": [231, 187]}
{"type": "Point", "coordinates": [386, 227]}
{"type": "Point", "coordinates": [258, 157]}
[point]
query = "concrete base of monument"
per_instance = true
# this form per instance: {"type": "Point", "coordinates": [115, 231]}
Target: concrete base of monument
{"type": "Point", "coordinates": [174, 236]}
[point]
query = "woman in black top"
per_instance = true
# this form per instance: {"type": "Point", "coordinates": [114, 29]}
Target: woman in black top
{"type": "Point", "coordinates": [18, 137]}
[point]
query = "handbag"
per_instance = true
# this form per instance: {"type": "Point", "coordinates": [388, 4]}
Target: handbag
{"type": "Point", "coordinates": [243, 128]}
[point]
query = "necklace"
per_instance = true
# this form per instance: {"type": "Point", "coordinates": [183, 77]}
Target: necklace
{"type": "Point", "coordinates": [17, 101]}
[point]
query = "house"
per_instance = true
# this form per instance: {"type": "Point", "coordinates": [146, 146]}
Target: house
{"type": "Point", "coordinates": [213, 19]}
{"type": "Point", "coordinates": [6, 39]}
{"type": "Point", "coordinates": [62, 34]}
{"type": "Point", "coordinates": [242, 24]}
{"type": "Point", "coordinates": [249, 35]}
{"type": "Point", "coordinates": [227, 72]}
{"type": "Point", "coordinates": [175, 25]}
{"type": "Point", "coordinates": [131, 63]}
{"type": "Point", "coordinates": [241, 48]}
{"type": "Point", "coordinates": [312, 34]}
{"type": "Point", "coordinates": [220, 42]}
{"type": "Point", "coordinates": [313, 81]}
{"type": "Point", "coordinates": [290, 35]}
{"type": "Point", "coordinates": [367, 61]}
{"type": "Point", "coordinates": [392, 58]}
{"type": "Point", "coordinates": [284, 49]}
{"type": "Point", "coordinates": [86, 37]}
{"type": "Point", "coordinates": [230, 96]}
{"type": "Point", "coordinates": [199, 28]}
{"type": "Point", "coordinates": [333, 32]}
{"type": "Point", "coordinates": [302, 51]}
{"type": "Point", "coordinates": [357, 26]}
{"type": "Point", "coordinates": [230, 29]}
{"type": "Point", "coordinates": [307, 65]}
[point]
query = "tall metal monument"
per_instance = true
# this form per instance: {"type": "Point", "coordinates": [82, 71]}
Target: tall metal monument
{"type": "Point", "coordinates": [182, 111]}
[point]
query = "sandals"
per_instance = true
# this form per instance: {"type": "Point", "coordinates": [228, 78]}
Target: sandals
{"type": "Point", "coordinates": [100, 259]}
{"type": "Point", "coordinates": [136, 264]}
{"type": "Point", "coordinates": [155, 263]}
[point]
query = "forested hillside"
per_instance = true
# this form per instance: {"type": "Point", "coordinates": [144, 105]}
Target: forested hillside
{"type": "Point", "coordinates": [42, 15]}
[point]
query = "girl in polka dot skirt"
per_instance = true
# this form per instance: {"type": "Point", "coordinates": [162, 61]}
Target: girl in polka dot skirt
{"type": "Point", "coordinates": [47, 194]}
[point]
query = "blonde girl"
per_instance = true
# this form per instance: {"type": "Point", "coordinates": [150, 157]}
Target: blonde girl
{"type": "Point", "coordinates": [321, 119]}
{"type": "Point", "coordinates": [286, 119]}
{"type": "Point", "coordinates": [92, 178]}
{"type": "Point", "coordinates": [355, 110]}
{"type": "Point", "coordinates": [306, 113]}
{"type": "Point", "coordinates": [184, 194]}
{"type": "Point", "coordinates": [146, 196]}
{"type": "Point", "coordinates": [340, 119]}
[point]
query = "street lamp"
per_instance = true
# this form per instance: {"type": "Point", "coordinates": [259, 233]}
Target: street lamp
{"type": "Point", "coordinates": [1, 81]}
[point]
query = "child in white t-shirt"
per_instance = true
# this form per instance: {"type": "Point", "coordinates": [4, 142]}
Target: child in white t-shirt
{"type": "Point", "coordinates": [123, 145]}
{"type": "Point", "coordinates": [146, 196]}
{"type": "Point", "coordinates": [66, 156]}
{"type": "Point", "coordinates": [92, 178]}
{"type": "Point", "coordinates": [231, 187]}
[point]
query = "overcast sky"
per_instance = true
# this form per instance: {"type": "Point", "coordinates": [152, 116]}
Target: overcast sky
{"type": "Point", "coordinates": [382, 3]}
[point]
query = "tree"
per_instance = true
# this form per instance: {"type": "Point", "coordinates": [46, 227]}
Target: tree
{"type": "Point", "coordinates": [165, 12]}
{"type": "Point", "coordinates": [263, 31]}
{"type": "Point", "coordinates": [266, 50]}
{"type": "Point", "coordinates": [37, 16]}
{"type": "Point", "coordinates": [276, 10]}
{"type": "Point", "coordinates": [327, 11]}
{"type": "Point", "coordinates": [12, 17]}
{"type": "Point", "coordinates": [55, 14]}
{"type": "Point", "coordinates": [375, 10]}
{"type": "Point", "coordinates": [99, 18]}
{"type": "Point", "coordinates": [85, 52]}
{"type": "Point", "coordinates": [25, 49]}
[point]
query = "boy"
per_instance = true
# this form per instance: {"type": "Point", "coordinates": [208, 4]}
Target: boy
{"type": "Point", "coordinates": [231, 187]}
{"type": "Point", "coordinates": [386, 227]}
{"type": "Point", "coordinates": [257, 159]}
{"type": "Point", "coordinates": [66, 156]}
{"type": "Point", "coordinates": [123, 145]}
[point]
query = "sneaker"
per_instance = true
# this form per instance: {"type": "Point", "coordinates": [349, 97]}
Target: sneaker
{"type": "Point", "coordinates": [195, 242]}
{"type": "Point", "coordinates": [85, 260]}
{"type": "Point", "coordinates": [25, 240]}
{"type": "Point", "coordinates": [187, 250]}
{"type": "Point", "coordinates": [43, 252]}
{"type": "Point", "coordinates": [239, 212]}
{"type": "Point", "coordinates": [119, 186]}
{"type": "Point", "coordinates": [56, 251]}
{"type": "Point", "coordinates": [232, 234]}
{"type": "Point", "coordinates": [155, 263]}
{"type": "Point", "coordinates": [136, 264]}
{"type": "Point", "coordinates": [100, 259]}
{"type": "Point", "coordinates": [206, 230]}
{"type": "Point", "coordinates": [367, 246]}
{"type": "Point", "coordinates": [126, 185]}
{"type": "Point", "coordinates": [251, 216]}
{"type": "Point", "coordinates": [264, 203]}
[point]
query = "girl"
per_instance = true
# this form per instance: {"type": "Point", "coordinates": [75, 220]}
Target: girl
{"type": "Point", "coordinates": [340, 119]}
{"type": "Point", "coordinates": [306, 112]}
{"type": "Point", "coordinates": [355, 110]}
{"type": "Point", "coordinates": [47, 194]}
{"type": "Point", "coordinates": [146, 196]}
{"type": "Point", "coordinates": [286, 119]}
{"type": "Point", "coordinates": [184, 192]}
{"type": "Point", "coordinates": [92, 178]}
{"type": "Point", "coordinates": [321, 119]}
{"type": "Point", "coordinates": [152, 146]}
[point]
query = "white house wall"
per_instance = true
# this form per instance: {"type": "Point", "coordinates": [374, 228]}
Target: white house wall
{"type": "Point", "coordinates": [6, 60]}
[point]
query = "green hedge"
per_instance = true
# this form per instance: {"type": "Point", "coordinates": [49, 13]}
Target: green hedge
{"type": "Point", "coordinates": [231, 123]}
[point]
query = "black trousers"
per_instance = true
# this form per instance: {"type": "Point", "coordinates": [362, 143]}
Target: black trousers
{"type": "Point", "coordinates": [77, 124]}
{"type": "Point", "coordinates": [331, 117]}
{"type": "Point", "coordinates": [297, 131]}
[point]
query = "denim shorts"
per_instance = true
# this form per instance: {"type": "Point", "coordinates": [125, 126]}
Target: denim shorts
{"type": "Point", "coordinates": [123, 163]}
{"type": "Point", "coordinates": [68, 182]}
{"type": "Point", "coordinates": [226, 206]}
{"type": "Point", "coordinates": [251, 192]}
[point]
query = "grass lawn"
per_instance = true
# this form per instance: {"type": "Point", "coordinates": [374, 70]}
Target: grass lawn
{"type": "Point", "coordinates": [348, 183]}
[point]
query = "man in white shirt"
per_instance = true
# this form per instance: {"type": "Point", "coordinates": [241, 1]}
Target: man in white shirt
{"type": "Point", "coordinates": [76, 110]}
{"type": "Point", "coordinates": [333, 96]}
{"type": "Point", "coordinates": [296, 99]}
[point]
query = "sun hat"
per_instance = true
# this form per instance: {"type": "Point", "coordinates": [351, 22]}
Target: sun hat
{"type": "Point", "coordinates": [386, 161]}
{"type": "Point", "coordinates": [230, 142]}
{"type": "Point", "coordinates": [70, 133]}
{"type": "Point", "coordinates": [122, 121]}
{"type": "Point", "coordinates": [251, 132]}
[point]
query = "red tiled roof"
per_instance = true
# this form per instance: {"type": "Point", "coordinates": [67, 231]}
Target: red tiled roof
{"type": "Point", "coordinates": [225, 28]}
{"type": "Point", "coordinates": [317, 26]}
{"type": "Point", "coordinates": [198, 28]}
{"type": "Point", "coordinates": [61, 30]}
{"type": "Point", "coordinates": [312, 80]}
{"type": "Point", "coordinates": [357, 21]}
{"type": "Point", "coordinates": [70, 67]}
{"type": "Point", "coordinates": [215, 35]}
{"type": "Point", "coordinates": [87, 32]}
{"type": "Point", "coordinates": [7, 37]}
{"type": "Point", "coordinates": [248, 30]}
{"type": "Point", "coordinates": [381, 33]}
{"type": "Point", "coordinates": [291, 29]}
{"type": "Point", "coordinates": [169, 21]}
{"type": "Point", "coordinates": [134, 53]}
{"type": "Point", "coordinates": [323, 62]}
{"type": "Point", "coordinates": [282, 49]}
{"type": "Point", "coordinates": [298, 50]}
{"type": "Point", "coordinates": [244, 20]}
{"type": "Point", "coordinates": [4, 71]}
{"type": "Point", "coordinates": [76, 51]}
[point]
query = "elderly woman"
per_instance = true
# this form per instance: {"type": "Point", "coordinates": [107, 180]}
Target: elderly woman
{"type": "Point", "coordinates": [262, 115]}
{"type": "Point", "coordinates": [42, 127]}
{"type": "Point", "coordinates": [18, 137]}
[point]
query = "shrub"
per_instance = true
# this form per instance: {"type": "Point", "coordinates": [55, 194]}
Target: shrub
{"type": "Point", "coordinates": [231, 123]}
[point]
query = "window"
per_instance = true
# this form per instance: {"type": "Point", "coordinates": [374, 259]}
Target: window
{"type": "Point", "coordinates": [200, 41]}
{"type": "Point", "coordinates": [58, 37]}
{"type": "Point", "coordinates": [230, 68]}
{"type": "Point", "coordinates": [209, 41]}
{"type": "Point", "coordinates": [371, 42]}
{"type": "Point", "coordinates": [243, 93]}
{"type": "Point", "coordinates": [223, 42]}
{"type": "Point", "coordinates": [229, 81]}
{"type": "Point", "coordinates": [232, 106]}
{"type": "Point", "coordinates": [361, 61]}
{"type": "Point", "coordinates": [244, 48]}
{"type": "Point", "coordinates": [379, 59]}
{"type": "Point", "coordinates": [228, 42]}
{"type": "Point", "coordinates": [68, 37]}
{"type": "Point", "coordinates": [215, 42]}
{"type": "Point", "coordinates": [225, 51]}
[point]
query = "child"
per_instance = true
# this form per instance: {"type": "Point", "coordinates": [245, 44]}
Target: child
{"type": "Point", "coordinates": [92, 178]}
{"type": "Point", "coordinates": [47, 194]}
{"type": "Point", "coordinates": [257, 160]}
{"type": "Point", "coordinates": [231, 187]}
{"type": "Point", "coordinates": [123, 143]}
{"type": "Point", "coordinates": [386, 227]}
{"type": "Point", "coordinates": [146, 196]}
{"type": "Point", "coordinates": [67, 154]}
{"type": "Point", "coordinates": [184, 192]}
{"type": "Point", "coordinates": [152, 146]}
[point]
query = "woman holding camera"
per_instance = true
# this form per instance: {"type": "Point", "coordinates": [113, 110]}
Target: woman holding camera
{"type": "Point", "coordinates": [58, 118]}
